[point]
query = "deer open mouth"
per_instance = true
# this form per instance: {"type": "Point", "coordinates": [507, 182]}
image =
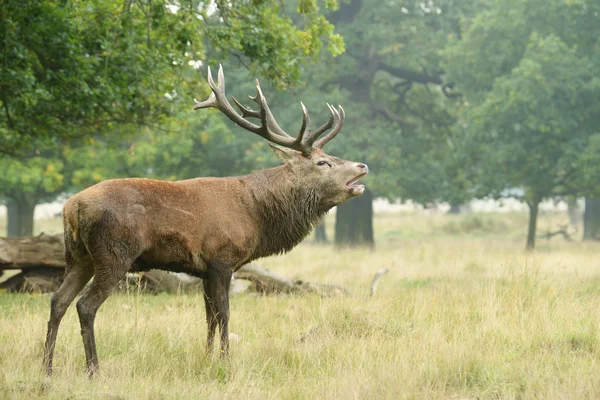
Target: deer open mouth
{"type": "Point", "coordinates": [352, 183]}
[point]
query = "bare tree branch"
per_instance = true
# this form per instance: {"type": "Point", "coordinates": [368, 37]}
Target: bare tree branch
{"type": "Point", "coordinates": [392, 116]}
{"type": "Point", "coordinates": [9, 120]}
{"type": "Point", "coordinates": [411, 75]}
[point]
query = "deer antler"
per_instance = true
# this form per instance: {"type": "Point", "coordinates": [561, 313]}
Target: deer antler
{"type": "Point", "coordinates": [304, 142]}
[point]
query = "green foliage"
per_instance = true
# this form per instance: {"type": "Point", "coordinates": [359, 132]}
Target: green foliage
{"type": "Point", "coordinates": [36, 172]}
{"type": "Point", "coordinates": [532, 99]}
{"type": "Point", "coordinates": [276, 45]}
{"type": "Point", "coordinates": [77, 69]}
{"type": "Point", "coordinates": [495, 40]}
{"type": "Point", "coordinates": [202, 147]}
{"type": "Point", "coordinates": [36, 179]}
{"type": "Point", "coordinates": [533, 90]}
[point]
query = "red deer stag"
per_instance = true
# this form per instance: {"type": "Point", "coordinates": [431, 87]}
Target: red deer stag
{"type": "Point", "coordinates": [207, 227]}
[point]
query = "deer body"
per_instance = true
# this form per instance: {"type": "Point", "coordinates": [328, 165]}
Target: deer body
{"type": "Point", "coordinates": [175, 223]}
{"type": "Point", "coordinates": [207, 227]}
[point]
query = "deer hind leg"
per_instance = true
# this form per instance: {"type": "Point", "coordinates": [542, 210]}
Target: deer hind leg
{"type": "Point", "coordinates": [87, 307]}
{"type": "Point", "coordinates": [216, 302]}
{"type": "Point", "coordinates": [111, 262]}
{"type": "Point", "coordinates": [76, 277]}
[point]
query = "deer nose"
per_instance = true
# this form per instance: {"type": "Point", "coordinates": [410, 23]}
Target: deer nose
{"type": "Point", "coordinates": [363, 166]}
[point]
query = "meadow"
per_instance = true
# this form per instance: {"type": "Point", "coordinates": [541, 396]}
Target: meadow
{"type": "Point", "coordinates": [464, 312]}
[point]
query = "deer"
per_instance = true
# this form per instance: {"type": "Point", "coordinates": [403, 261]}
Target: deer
{"type": "Point", "coordinates": [206, 227]}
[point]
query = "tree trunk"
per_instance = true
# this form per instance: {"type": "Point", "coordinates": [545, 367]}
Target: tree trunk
{"type": "Point", "coordinates": [12, 228]}
{"type": "Point", "coordinates": [320, 233]}
{"type": "Point", "coordinates": [454, 209]}
{"type": "Point", "coordinates": [533, 214]}
{"type": "Point", "coordinates": [354, 221]}
{"type": "Point", "coordinates": [573, 211]}
{"type": "Point", "coordinates": [591, 219]}
{"type": "Point", "coordinates": [20, 218]}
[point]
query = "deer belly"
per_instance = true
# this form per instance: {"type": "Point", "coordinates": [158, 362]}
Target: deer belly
{"type": "Point", "coordinates": [172, 255]}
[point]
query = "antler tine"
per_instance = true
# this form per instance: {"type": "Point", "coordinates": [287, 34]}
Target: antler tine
{"type": "Point", "coordinates": [211, 82]}
{"type": "Point", "coordinates": [221, 79]}
{"type": "Point", "coordinates": [268, 115]}
{"type": "Point", "coordinates": [212, 99]}
{"type": "Point", "coordinates": [206, 103]}
{"type": "Point", "coordinates": [246, 111]}
{"type": "Point", "coordinates": [315, 135]}
{"type": "Point", "coordinates": [305, 128]}
{"type": "Point", "coordinates": [338, 126]}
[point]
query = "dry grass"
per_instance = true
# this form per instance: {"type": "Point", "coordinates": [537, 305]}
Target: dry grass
{"type": "Point", "coordinates": [463, 313]}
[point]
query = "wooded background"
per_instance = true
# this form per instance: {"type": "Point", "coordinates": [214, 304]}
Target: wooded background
{"type": "Point", "coordinates": [446, 100]}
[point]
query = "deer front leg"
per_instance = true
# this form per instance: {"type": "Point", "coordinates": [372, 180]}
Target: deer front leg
{"type": "Point", "coordinates": [216, 301]}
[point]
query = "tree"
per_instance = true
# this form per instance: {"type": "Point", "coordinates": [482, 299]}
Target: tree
{"type": "Point", "coordinates": [321, 233]}
{"type": "Point", "coordinates": [25, 184]}
{"type": "Point", "coordinates": [354, 223]}
{"type": "Point", "coordinates": [74, 71]}
{"type": "Point", "coordinates": [533, 99]}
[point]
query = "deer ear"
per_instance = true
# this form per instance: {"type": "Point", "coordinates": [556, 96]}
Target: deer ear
{"type": "Point", "coordinates": [285, 155]}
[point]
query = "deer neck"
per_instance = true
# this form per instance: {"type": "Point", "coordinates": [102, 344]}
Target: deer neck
{"type": "Point", "coordinates": [286, 211]}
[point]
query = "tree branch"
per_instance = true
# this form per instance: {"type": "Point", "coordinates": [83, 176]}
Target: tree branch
{"type": "Point", "coordinates": [392, 116]}
{"type": "Point", "coordinates": [9, 120]}
{"type": "Point", "coordinates": [564, 179]}
{"type": "Point", "coordinates": [411, 75]}
{"type": "Point", "coordinates": [449, 95]}
{"type": "Point", "coordinates": [421, 77]}
{"type": "Point", "coordinates": [347, 12]}
{"type": "Point", "coordinates": [562, 231]}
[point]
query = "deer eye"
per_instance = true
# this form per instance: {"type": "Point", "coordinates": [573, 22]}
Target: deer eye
{"type": "Point", "coordinates": [321, 163]}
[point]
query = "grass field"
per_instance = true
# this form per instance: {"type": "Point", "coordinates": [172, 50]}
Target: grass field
{"type": "Point", "coordinates": [463, 313]}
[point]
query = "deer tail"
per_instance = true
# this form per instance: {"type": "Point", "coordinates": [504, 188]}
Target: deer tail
{"type": "Point", "coordinates": [71, 218]}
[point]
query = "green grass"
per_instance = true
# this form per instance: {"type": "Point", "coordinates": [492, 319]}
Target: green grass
{"type": "Point", "coordinates": [463, 313]}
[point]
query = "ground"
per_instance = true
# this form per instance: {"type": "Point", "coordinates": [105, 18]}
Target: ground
{"type": "Point", "coordinates": [464, 312]}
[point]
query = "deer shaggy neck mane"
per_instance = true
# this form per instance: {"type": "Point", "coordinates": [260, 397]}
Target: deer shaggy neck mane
{"type": "Point", "coordinates": [287, 212]}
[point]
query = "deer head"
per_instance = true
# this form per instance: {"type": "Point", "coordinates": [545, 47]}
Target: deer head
{"type": "Point", "coordinates": [332, 179]}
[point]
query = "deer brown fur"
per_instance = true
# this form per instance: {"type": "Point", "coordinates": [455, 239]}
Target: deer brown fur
{"type": "Point", "coordinates": [207, 227]}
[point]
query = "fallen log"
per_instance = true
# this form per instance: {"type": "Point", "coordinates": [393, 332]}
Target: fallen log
{"type": "Point", "coordinates": [41, 261]}
{"type": "Point", "coordinates": [265, 281]}
{"type": "Point", "coordinates": [34, 280]}
{"type": "Point", "coordinates": [32, 252]}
